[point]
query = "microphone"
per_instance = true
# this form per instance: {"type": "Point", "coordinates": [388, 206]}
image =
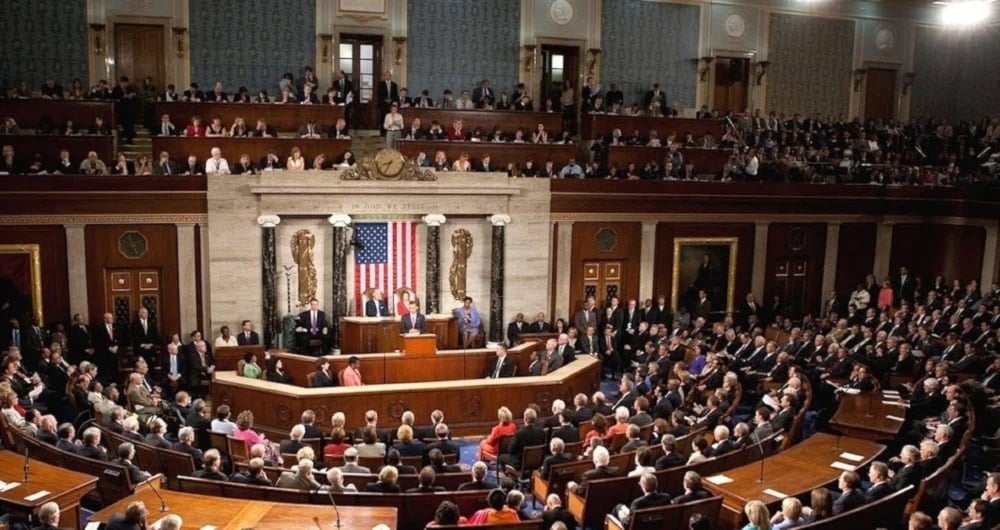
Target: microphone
{"type": "Point", "coordinates": [760, 445]}
{"type": "Point", "coordinates": [163, 503]}
{"type": "Point", "coordinates": [26, 465]}
{"type": "Point", "coordinates": [336, 524]}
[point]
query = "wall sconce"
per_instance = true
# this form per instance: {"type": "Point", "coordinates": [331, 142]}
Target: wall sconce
{"type": "Point", "coordinates": [592, 60]}
{"type": "Point", "coordinates": [762, 70]}
{"type": "Point", "coordinates": [705, 62]}
{"type": "Point", "coordinates": [859, 77]}
{"type": "Point", "coordinates": [399, 49]}
{"type": "Point", "coordinates": [98, 38]}
{"type": "Point", "coordinates": [327, 39]}
{"type": "Point", "coordinates": [529, 63]}
{"type": "Point", "coordinates": [179, 32]}
{"type": "Point", "coordinates": [908, 78]}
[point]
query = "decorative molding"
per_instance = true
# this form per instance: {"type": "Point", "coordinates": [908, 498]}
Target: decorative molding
{"type": "Point", "coordinates": [500, 219]}
{"type": "Point", "coordinates": [104, 219]}
{"type": "Point", "coordinates": [339, 220]}
{"type": "Point", "coordinates": [434, 219]}
{"type": "Point", "coordinates": [268, 221]}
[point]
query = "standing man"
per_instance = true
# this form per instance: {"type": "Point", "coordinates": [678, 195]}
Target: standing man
{"type": "Point", "coordinates": [469, 323]}
{"type": "Point", "coordinates": [388, 93]}
{"type": "Point", "coordinates": [248, 337]}
{"type": "Point", "coordinates": [587, 316]}
{"type": "Point", "coordinates": [413, 322]}
{"type": "Point", "coordinates": [312, 327]}
{"type": "Point", "coordinates": [106, 342]}
{"type": "Point", "coordinates": [145, 339]}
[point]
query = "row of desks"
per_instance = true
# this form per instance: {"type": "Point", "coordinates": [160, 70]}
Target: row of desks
{"type": "Point", "coordinates": [604, 124]}
{"type": "Point", "coordinates": [257, 148]}
{"type": "Point", "coordinates": [26, 146]}
{"type": "Point", "coordinates": [28, 113]}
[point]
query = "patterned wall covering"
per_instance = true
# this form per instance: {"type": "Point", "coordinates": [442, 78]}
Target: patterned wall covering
{"type": "Point", "coordinates": [43, 37]}
{"type": "Point", "coordinates": [456, 44]}
{"type": "Point", "coordinates": [956, 74]}
{"type": "Point", "coordinates": [648, 42]}
{"type": "Point", "coordinates": [811, 62]}
{"type": "Point", "coordinates": [251, 43]}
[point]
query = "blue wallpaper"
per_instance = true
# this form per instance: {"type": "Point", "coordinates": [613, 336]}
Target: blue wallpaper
{"type": "Point", "coordinates": [954, 71]}
{"type": "Point", "coordinates": [649, 42]}
{"type": "Point", "coordinates": [251, 43]}
{"type": "Point", "coordinates": [43, 37]}
{"type": "Point", "coordinates": [811, 62]}
{"type": "Point", "coordinates": [457, 43]}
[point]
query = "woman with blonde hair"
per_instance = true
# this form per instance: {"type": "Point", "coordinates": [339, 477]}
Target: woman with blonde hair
{"type": "Point", "coordinates": [757, 515]}
{"type": "Point", "coordinates": [790, 515]}
{"type": "Point", "coordinates": [489, 448]}
{"type": "Point", "coordinates": [295, 161]}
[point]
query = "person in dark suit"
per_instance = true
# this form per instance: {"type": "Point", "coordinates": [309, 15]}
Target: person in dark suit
{"type": "Point", "coordinates": [126, 453]}
{"type": "Point", "coordinates": [650, 498]}
{"type": "Point", "coordinates": [601, 470]}
{"type": "Point", "coordinates": [655, 97]}
{"type": "Point", "coordinates": [515, 329]}
{"type": "Point", "coordinates": [851, 495]}
{"type": "Point", "coordinates": [693, 489]}
{"type": "Point", "coordinates": [323, 377]}
{"type": "Point", "coordinates": [248, 337]}
{"type": "Point", "coordinates": [254, 474]}
{"type": "Point", "coordinates": [173, 372]}
{"type": "Point", "coordinates": [748, 308]}
{"type": "Point", "coordinates": [388, 93]}
{"type": "Point", "coordinates": [294, 441]}
{"type": "Point", "coordinates": [80, 345]}
{"type": "Point", "coordinates": [878, 473]}
{"type": "Point", "coordinates": [413, 320]}
{"type": "Point", "coordinates": [376, 306]}
{"type": "Point", "coordinates": [478, 481]}
{"type": "Point", "coordinates": [905, 286]}
{"type": "Point", "coordinates": [342, 87]}
{"type": "Point", "coordinates": [200, 363]}
{"type": "Point", "coordinates": [702, 306]}
{"type": "Point", "coordinates": [92, 447]}
{"type": "Point", "coordinates": [134, 518]}
{"type": "Point", "coordinates": [723, 444]}
{"type": "Point", "coordinates": [529, 435]}
{"type": "Point", "coordinates": [565, 429]}
{"type": "Point", "coordinates": [555, 512]}
{"type": "Point", "coordinates": [312, 326]}
{"type": "Point", "coordinates": [145, 339]}
{"type": "Point", "coordinates": [539, 325]}
{"type": "Point", "coordinates": [911, 473]}
{"type": "Point", "coordinates": [501, 366]}
{"type": "Point", "coordinates": [106, 340]}
{"type": "Point", "coordinates": [670, 458]}
{"type": "Point", "coordinates": [483, 96]}
{"type": "Point", "coordinates": [557, 448]}
{"type": "Point", "coordinates": [442, 443]}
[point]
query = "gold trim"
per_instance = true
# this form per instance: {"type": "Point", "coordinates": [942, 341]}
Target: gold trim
{"type": "Point", "coordinates": [34, 255]}
{"type": "Point", "coordinates": [104, 219]}
{"type": "Point", "coordinates": [731, 279]}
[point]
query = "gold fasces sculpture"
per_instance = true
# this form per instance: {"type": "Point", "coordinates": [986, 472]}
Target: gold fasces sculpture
{"type": "Point", "coordinates": [461, 249]}
{"type": "Point", "coordinates": [302, 245]}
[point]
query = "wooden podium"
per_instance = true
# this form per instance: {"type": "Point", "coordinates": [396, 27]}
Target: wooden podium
{"type": "Point", "coordinates": [420, 345]}
{"type": "Point", "coordinates": [381, 335]}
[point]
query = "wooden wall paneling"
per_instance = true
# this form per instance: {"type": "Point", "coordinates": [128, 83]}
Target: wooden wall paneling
{"type": "Point", "coordinates": [800, 247]}
{"type": "Point", "coordinates": [855, 256]}
{"type": "Point", "coordinates": [623, 254]}
{"type": "Point", "coordinates": [51, 240]}
{"type": "Point", "coordinates": [161, 255]}
{"type": "Point", "coordinates": [955, 251]}
{"type": "Point", "coordinates": [664, 258]}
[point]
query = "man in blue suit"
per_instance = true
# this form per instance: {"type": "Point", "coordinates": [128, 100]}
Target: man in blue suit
{"type": "Point", "coordinates": [413, 322]}
{"type": "Point", "coordinates": [375, 306]}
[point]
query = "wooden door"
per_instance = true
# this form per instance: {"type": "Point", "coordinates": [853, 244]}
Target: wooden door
{"type": "Point", "coordinates": [560, 63]}
{"type": "Point", "coordinates": [601, 279]}
{"type": "Point", "coordinates": [360, 59]}
{"type": "Point", "coordinates": [791, 282]}
{"type": "Point", "coordinates": [732, 80]}
{"type": "Point", "coordinates": [880, 93]}
{"type": "Point", "coordinates": [139, 53]}
{"type": "Point", "coordinates": [128, 289]}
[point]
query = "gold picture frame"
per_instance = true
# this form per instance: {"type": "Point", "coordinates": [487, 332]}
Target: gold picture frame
{"type": "Point", "coordinates": [32, 253]}
{"type": "Point", "coordinates": [720, 278]}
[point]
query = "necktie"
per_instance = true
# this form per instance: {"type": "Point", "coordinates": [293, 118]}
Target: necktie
{"type": "Point", "coordinates": [496, 373]}
{"type": "Point", "coordinates": [314, 320]}
{"type": "Point", "coordinates": [144, 328]}
{"type": "Point", "coordinates": [378, 309]}
{"type": "Point", "coordinates": [173, 364]}
{"type": "Point", "coordinates": [111, 332]}
{"type": "Point", "coordinates": [17, 338]}
{"type": "Point", "coordinates": [247, 335]}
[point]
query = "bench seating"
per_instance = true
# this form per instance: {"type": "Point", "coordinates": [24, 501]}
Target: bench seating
{"type": "Point", "coordinates": [29, 113]}
{"type": "Point", "coordinates": [284, 118]}
{"type": "Point", "coordinates": [257, 148]}
{"type": "Point", "coordinates": [501, 154]}
{"type": "Point", "coordinates": [26, 146]}
{"type": "Point", "coordinates": [670, 516]}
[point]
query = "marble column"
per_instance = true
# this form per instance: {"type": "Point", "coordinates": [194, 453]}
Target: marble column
{"type": "Point", "coordinates": [564, 265]}
{"type": "Point", "coordinates": [883, 250]}
{"type": "Point", "coordinates": [990, 255]}
{"type": "Point", "coordinates": [647, 261]}
{"type": "Point", "coordinates": [269, 279]}
{"type": "Point", "coordinates": [76, 256]}
{"type": "Point", "coordinates": [341, 245]}
{"type": "Point", "coordinates": [432, 278]}
{"type": "Point", "coordinates": [830, 258]}
{"type": "Point", "coordinates": [499, 222]}
{"type": "Point", "coordinates": [187, 277]}
{"type": "Point", "coordinates": [759, 259]}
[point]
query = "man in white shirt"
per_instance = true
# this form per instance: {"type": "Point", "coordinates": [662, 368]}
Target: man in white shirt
{"type": "Point", "coordinates": [752, 165]}
{"type": "Point", "coordinates": [216, 165]}
{"type": "Point", "coordinates": [571, 170]}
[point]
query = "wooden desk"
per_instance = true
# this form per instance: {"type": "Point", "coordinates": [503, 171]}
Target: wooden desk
{"type": "Point", "coordinates": [28, 113]}
{"type": "Point", "coordinates": [397, 367]}
{"type": "Point", "coordinates": [500, 153]}
{"type": "Point", "coordinates": [64, 486]}
{"type": "Point", "coordinates": [226, 357]}
{"type": "Point", "coordinates": [418, 345]}
{"type": "Point", "coordinates": [704, 160]}
{"type": "Point", "coordinates": [199, 511]}
{"type": "Point", "coordinates": [508, 120]}
{"type": "Point", "coordinates": [374, 334]}
{"type": "Point", "coordinates": [284, 118]}
{"type": "Point", "coordinates": [794, 471]}
{"type": "Point", "coordinates": [26, 145]}
{"type": "Point", "coordinates": [852, 417]}
{"type": "Point", "coordinates": [469, 405]}
{"type": "Point", "coordinates": [604, 124]}
{"type": "Point", "coordinates": [232, 148]}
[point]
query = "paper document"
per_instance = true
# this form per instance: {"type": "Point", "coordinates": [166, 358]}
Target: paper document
{"type": "Point", "coordinates": [851, 456]}
{"type": "Point", "coordinates": [7, 486]}
{"type": "Point", "coordinates": [36, 496]}
{"type": "Point", "coordinates": [719, 480]}
{"type": "Point", "coordinates": [894, 418]}
{"type": "Point", "coordinates": [841, 465]}
{"type": "Point", "coordinates": [775, 493]}
{"type": "Point", "coordinates": [884, 402]}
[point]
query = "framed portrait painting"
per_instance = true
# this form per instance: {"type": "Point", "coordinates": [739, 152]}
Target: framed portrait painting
{"type": "Point", "coordinates": [21, 282]}
{"type": "Point", "coordinates": [704, 264]}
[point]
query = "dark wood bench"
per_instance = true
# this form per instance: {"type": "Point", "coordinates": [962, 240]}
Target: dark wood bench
{"type": "Point", "coordinates": [670, 516]}
{"type": "Point", "coordinates": [26, 146]}
{"type": "Point", "coordinates": [604, 124]}
{"type": "Point", "coordinates": [257, 148]}
{"type": "Point", "coordinates": [881, 513]}
{"type": "Point", "coordinates": [704, 160]}
{"type": "Point", "coordinates": [508, 120]}
{"type": "Point", "coordinates": [284, 118]}
{"type": "Point", "coordinates": [500, 153]}
{"type": "Point", "coordinates": [29, 113]}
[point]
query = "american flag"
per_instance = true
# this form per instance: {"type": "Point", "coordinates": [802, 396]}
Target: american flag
{"type": "Point", "coordinates": [385, 258]}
